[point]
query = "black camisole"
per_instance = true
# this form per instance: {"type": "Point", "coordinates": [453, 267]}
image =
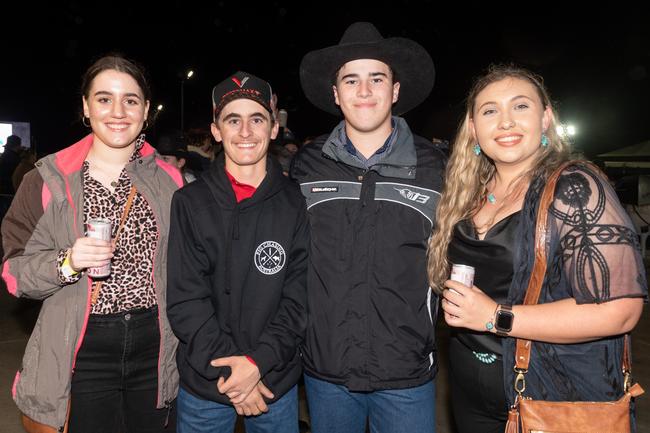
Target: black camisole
{"type": "Point", "coordinates": [492, 259]}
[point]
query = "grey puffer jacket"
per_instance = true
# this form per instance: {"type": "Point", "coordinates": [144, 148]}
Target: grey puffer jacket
{"type": "Point", "coordinates": [45, 216]}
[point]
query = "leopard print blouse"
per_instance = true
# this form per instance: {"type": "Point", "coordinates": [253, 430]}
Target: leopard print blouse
{"type": "Point", "coordinates": [130, 285]}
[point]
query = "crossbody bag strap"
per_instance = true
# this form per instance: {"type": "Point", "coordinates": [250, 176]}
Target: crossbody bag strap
{"type": "Point", "coordinates": [97, 285]}
{"type": "Point", "coordinates": [125, 212]}
{"type": "Point", "coordinates": [523, 346]}
{"type": "Point", "coordinates": [522, 357]}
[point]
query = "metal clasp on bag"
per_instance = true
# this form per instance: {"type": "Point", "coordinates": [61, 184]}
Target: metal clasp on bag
{"type": "Point", "coordinates": [627, 381]}
{"type": "Point", "coordinates": [520, 381]}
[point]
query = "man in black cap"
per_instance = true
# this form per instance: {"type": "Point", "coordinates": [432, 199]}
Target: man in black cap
{"type": "Point", "coordinates": [372, 189]}
{"type": "Point", "coordinates": [236, 294]}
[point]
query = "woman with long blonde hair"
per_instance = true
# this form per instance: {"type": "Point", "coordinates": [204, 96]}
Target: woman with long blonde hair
{"type": "Point", "coordinates": [595, 283]}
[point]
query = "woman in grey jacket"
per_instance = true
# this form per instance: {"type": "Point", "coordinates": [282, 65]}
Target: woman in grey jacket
{"type": "Point", "coordinates": [102, 351]}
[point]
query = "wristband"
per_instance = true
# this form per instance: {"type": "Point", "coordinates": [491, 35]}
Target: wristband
{"type": "Point", "coordinates": [66, 268]}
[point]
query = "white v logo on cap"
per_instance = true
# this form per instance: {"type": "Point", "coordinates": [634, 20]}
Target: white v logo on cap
{"type": "Point", "coordinates": [241, 83]}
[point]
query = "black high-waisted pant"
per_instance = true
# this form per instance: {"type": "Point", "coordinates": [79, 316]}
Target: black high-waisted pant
{"type": "Point", "coordinates": [115, 384]}
{"type": "Point", "coordinates": [478, 398]}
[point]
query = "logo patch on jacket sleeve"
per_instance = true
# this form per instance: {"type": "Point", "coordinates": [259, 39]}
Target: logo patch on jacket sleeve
{"type": "Point", "coordinates": [270, 257]}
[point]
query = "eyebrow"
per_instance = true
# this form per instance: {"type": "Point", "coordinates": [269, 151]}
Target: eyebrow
{"type": "Point", "coordinates": [128, 95]}
{"type": "Point", "coordinates": [372, 74]}
{"type": "Point", "coordinates": [237, 115]}
{"type": "Point", "coordinates": [514, 98]}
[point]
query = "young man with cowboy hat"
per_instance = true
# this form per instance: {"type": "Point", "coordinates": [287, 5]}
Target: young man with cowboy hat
{"type": "Point", "coordinates": [237, 291]}
{"type": "Point", "coordinates": [371, 188]}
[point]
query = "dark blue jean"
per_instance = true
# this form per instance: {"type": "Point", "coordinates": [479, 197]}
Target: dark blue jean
{"type": "Point", "coordinates": [196, 415]}
{"type": "Point", "coordinates": [114, 385]}
{"type": "Point", "coordinates": [334, 409]}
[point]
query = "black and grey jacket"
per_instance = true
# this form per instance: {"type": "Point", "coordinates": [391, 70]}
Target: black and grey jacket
{"type": "Point", "coordinates": [371, 311]}
{"type": "Point", "coordinates": [237, 279]}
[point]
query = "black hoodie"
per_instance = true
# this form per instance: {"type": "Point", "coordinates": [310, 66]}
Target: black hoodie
{"type": "Point", "coordinates": [237, 279]}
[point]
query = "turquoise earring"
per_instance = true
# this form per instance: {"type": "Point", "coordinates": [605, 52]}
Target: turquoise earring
{"type": "Point", "coordinates": [477, 149]}
{"type": "Point", "coordinates": [544, 140]}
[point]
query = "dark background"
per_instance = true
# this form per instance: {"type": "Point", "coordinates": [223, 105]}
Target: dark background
{"type": "Point", "coordinates": [595, 59]}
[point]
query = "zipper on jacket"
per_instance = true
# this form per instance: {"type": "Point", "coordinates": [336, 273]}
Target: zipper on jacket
{"type": "Point", "coordinates": [157, 295]}
{"type": "Point", "coordinates": [364, 188]}
{"type": "Point", "coordinates": [403, 167]}
{"type": "Point", "coordinates": [168, 406]}
{"type": "Point", "coordinates": [410, 170]}
{"type": "Point", "coordinates": [329, 157]}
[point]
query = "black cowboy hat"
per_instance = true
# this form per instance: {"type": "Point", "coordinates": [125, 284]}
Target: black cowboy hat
{"type": "Point", "coordinates": [410, 62]}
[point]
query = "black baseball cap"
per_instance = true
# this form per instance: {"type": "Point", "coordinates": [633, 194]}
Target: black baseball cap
{"type": "Point", "coordinates": [241, 85]}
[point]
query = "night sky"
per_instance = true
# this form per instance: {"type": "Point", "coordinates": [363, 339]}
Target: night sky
{"type": "Point", "coordinates": [595, 61]}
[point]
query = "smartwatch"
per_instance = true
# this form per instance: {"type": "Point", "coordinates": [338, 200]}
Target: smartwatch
{"type": "Point", "coordinates": [504, 317]}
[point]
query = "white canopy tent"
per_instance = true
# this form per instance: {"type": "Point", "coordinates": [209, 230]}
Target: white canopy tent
{"type": "Point", "coordinates": [631, 165]}
{"type": "Point", "coordinates": [633, 159]}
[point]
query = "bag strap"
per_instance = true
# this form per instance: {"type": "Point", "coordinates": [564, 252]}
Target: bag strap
{"type": "Point", "coordinates": [522, 357]}
{"type": "Point", "coordinates": [97, 285]}
{"type": "Point", "coordinates": [523, 347]}
{"type": "Point", "coordinates": [125, 212]}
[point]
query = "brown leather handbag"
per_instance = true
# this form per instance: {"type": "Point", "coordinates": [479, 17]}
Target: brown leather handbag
{"type": "Point", "coordinates": [539, 416]}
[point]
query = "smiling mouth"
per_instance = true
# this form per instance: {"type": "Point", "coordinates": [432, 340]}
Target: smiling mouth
{"type": "Point", "coordinates": [117, 128]}
{"type": "Point", "coordinates": [509, 140]}
{"type": "Point", "coordinates": [245, 145]}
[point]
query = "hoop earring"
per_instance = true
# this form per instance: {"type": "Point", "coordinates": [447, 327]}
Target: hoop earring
{"type": "Point", "coordinates": [477, 149]}
{"type": "Point", "coordinates": [146, 124]}
{"type": "Point", "coordinates": [83, 121]}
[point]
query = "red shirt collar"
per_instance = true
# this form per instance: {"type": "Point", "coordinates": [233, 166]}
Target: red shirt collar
{"type": "Point", "coordinates": [242, 191]}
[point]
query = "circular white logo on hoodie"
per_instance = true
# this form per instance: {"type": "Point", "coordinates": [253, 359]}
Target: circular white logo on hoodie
{"type": "Point", "coordinates": [270, 257]}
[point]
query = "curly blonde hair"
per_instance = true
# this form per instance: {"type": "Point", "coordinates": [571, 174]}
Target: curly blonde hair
{"type": "Point", "coordinates": [468, 175]}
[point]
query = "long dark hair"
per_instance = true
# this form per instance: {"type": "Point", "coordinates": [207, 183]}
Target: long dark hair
{"type": "Point", "coordinates": [115, 62]}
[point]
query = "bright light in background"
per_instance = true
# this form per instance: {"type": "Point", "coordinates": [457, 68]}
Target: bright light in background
{"type": "Point", "coordinates": [571, 130]}
{"type": "Point", "coordinates": [21, 129]}
{"type": "Point", "coordinates": [156, 113]}
{"type": "Point", "coordinates": [188, 75]}
{"type": "Point", "coordinates": [566, 130]}
{"type": "Point", "coordinates": [6, 129]}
